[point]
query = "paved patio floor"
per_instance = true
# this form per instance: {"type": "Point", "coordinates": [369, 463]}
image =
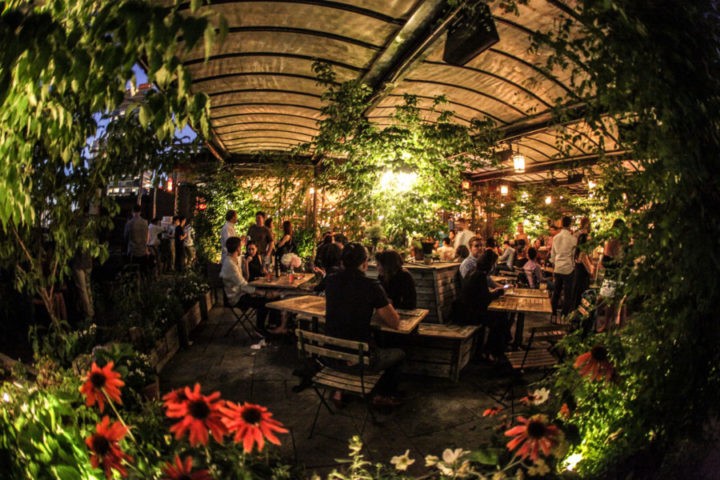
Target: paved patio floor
{"type": "Point", "coordinates": [437, 414]}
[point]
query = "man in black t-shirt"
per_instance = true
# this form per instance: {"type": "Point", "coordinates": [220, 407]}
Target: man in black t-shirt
{"type": "Point", "coordinates": [351, 298]}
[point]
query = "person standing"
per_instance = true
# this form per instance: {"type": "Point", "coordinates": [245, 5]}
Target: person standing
{"type": "Point", "coordinates": [153, 243]}
{"type": "Point", "coordinates": [351, 298]}
{"type": "Point", "coordinates": [584, 271]}
{"type": "Point", "coordinates": [286, 243]}
{"type": "Point", "coordinates": [171, 240]}
{"type": "Point", "coordinates": [136, 234]}
{"type": "Point", "coordinates": [189, 244]}
{"type": "Point", "coordinates": [228, 230]}
{"type": "Point", "coordinates": [261, 236]}
{"type": "Point", "coordinates": [180, 245]}
{"type": "Point", "coordinates": [562, 256]}
{"type": "Point", "coordinates": [463, 235]}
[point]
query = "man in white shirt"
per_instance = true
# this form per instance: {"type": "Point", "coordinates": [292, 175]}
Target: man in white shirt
{"type": "Point", "coordinates": [563, 248]}
{"type": "Point", "coordinates": [462, 235]}
{"type": "Point", "coordinates": [228, 230]}
{"type": "Point", "coordinates": [237, 289]}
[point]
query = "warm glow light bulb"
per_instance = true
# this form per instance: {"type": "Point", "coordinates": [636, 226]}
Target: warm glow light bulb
{"type": "Point", "coordinates": [591, 184]}
{"type": "Point", "coordinates": [519, 162]}
{"type": "Point", "coordinates": [548, 200]}
{"type": "Point", "coordinates": [312, 190]}
{"type": "Point", "coordinates": [503, 190]}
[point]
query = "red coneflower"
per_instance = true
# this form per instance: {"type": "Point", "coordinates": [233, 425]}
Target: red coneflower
{"type": "Point", "coordinates": [595, 364]}
{"type": "Point", "coordinates": [533, 437]}
{"type": "Point", "coordinates": [199, 413]}
{"type": "Point", "coordinates": [101, 382]}
{"type": "Point", "coordinates": [251, 424]}
{"type": "Point", "coordinates": [565, 411]}
{"type": "Point", "coordinates": [491, 412]}
{"type": "Point", "coordinates": [175, 396]}
{"type": "Point", "coordinates": [106, 453]}
{"type": "Point", "coordinates": [182, 470]}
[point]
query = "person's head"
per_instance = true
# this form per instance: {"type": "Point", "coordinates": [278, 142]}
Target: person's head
{"type": "Point", "coordinates": [554, 230]}
{"type": "Point", "coordinates": [331, 256]}
{"type": "Point", "coordinates": [389, 263]}
{"type": "Point", "coordinates": [327, 238]}
{"type": "Point", "coordinates": [156, 221]}
{"type": "Point", "coordinates": [260, 218]}
{"type": "Point", "coordinates": [136, 210]}
{"type": "Point", "coordinates": [269, 223]}
{"type": "Point", "coordinates": [532, 253]}
{"type": "Point", "coordinates": [462, 252]}
{"type": "Point", "coordinates": [475, 245]}
{"type": "Point", "coordinates": [585, 224]}
{"type": "Point", "coordinates": [451, 234]}
{"type": "Point", "coordinates": [506, 243]}
{"type": "Point", "coordinates": [340, 239]}
{"type": "Point", "coordinates": [446, 241]}
{"type": "Point", "coordinates": [490, 243]}
{"type": "Point", "coordinates": [233, 245]}
{"type": "Point", "coordinates": [486, 262]}
{"type": "Point", "coordinates": [231, 216]}
{"type": "Point", "coordinates": [618, 224]}
{"type": "Point", "coordinates": [176, 220]}
{"type": "Point", "coordinates": [354, 257]}
{"type": "Point", "coordinates": [287, 227]}
{"type": "Point", "coordinates": [567, 221]}
{"type": "Point", "coordinates": [461, 224]}
{"type": "Point", "coordinates": [537, 243]}
{"type": "Point", "coordinates": [520, 228]}
{"type": "Point", "coordinates": [252, 248]}
{"type": "Point", "coordinates": [181, 220]}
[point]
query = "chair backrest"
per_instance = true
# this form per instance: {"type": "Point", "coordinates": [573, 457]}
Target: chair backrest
{"type": "Point", "coordinates": [352, 351]}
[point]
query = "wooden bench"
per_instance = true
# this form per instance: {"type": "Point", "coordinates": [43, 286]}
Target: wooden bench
{"type": "Point", "coordinates": [439, 350]}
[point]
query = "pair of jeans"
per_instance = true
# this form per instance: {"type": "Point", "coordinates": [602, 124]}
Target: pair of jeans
{"type": "Point", "coordinates": [563, 285]}
{"type": "Point", "coordinates": [390, 360]}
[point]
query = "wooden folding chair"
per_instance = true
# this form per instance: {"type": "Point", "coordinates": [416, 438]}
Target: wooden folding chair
{"type": "Point", "coordinates": [332, 351]}
{"type": "Point", "coordinates": [243, 317]}
{"type": "Point", "coordinates": [539, 354]}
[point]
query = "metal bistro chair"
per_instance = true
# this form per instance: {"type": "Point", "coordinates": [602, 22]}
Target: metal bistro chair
{"type": "Point", "coordinates": [243, 317]}
{"type": "Point", "coordinates": [356, 354]}
{"type": "Point", "coordinates": [543, 357]}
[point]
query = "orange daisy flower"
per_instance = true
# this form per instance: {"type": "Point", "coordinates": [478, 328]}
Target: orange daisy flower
{"type": "Point", "coordinates": [101, 382]}
{"type": "Point", "coordinates": [175, 396]}
{"type": "Point", "coordinates": [198, 413]}
{"type": "Point", "coordinates": [535, 436]}
{"type": "Point", "coordinates": [106, 453]}
{"type": "Point", "coordinates": [182, 470]}
{"type": "Point", "coordinates": [491, 412]}
{"type": "Point", "coordinates": [595, 364]}
{"type": "Point", "coordinates": [252, 424]}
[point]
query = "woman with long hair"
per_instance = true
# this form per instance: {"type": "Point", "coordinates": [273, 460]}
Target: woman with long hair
{"type": "Point", "coordinates": [397, 282]}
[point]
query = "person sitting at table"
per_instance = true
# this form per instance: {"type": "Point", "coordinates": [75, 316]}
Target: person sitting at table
{"type": "Point", "coordinates": [331, 262]}
{"type": "Point", "coordinates": [461, 253]}
{"type": "Point", "coordinates": [254, 267]}
{"type": "Point", "coordinates": [446, 252]}
{"type": "Point", "coordinates": [506, 260]}
{"type": "Point", "coordinates": [468, 265]}
{"type": "Point", "coordinates": [397, 282]}
{"type": "Point", "coordinates": [475, 298]}
{"type": "Point", "coordinates": [532, 270]}
{"type": "Point", "coordinates": [351, 299]}
{"type": "Point", "coordinates": [239, 293]}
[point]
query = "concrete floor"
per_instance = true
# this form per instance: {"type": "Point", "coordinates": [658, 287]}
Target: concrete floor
{"type": "Point", "coordinates": [438, 413]}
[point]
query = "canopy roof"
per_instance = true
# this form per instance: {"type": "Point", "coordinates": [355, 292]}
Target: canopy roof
{"type": "Point", "coordinates": [265, 97]}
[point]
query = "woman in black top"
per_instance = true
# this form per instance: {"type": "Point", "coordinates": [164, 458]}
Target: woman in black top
{"type": "Point", "coordinates": [286, 243]}
{"type": "Point", "coordinates": [397, 282]}
{"type": "Point", "coordinates": [330, 265]}
{"type": "Point", "coordinates": [583, 272]}
{"type": "Point", "coordinates": [476, 297]}
{"type": "Point", "coordinates": [252, 263]}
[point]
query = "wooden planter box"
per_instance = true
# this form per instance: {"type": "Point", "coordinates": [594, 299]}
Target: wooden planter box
{"type": "Point", "coordinates": [439, 350]}
{"type": "Point", "coordinates": [206, 304]}
{"type": "Point", "coordinates": [165, 348]}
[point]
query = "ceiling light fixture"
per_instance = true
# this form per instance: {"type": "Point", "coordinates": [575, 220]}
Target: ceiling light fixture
{"type": "Point", "coordinates": [518, 161]}
{"type": "Point", "coordinates": [503, 190]}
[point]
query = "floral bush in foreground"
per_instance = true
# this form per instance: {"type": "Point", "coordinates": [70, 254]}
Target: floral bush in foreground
{"type": "Point", "coordinates": [63, 426]}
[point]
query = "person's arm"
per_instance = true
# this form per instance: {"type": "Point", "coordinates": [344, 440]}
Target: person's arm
{"type": "Point", "coordinates": [389, 316]}
{"type": "Point", "coordinates": [285, 239]}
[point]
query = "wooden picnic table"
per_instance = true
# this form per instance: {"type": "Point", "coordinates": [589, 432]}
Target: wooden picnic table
{"type": "Point", "coordinates": [526, 292]}
{"type": "Point", "coordinates": [515, 304]}
{"type": "Point", "coordinates": [314, 307]}
{"type": "Point", "coordinates": [282, 282]}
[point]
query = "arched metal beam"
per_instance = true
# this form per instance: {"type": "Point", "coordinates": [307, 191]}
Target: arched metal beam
{"type": "Point", "coordinates": [497, 77]}
{"type": "Point", "coordinates": [264, 104]}
{"type": "Point", "coordinates": [254, 74]}
{"type": "Point", "coordinates": [319, 3]}
{"type": "Point", "coordinates": [451, 102]}
{"type": "Point", "coordinates": [229, 134]}
{"type": "Point", "coordinates": [269, 90]}
{"type": "Point", "coordinates": [534, 150]}
{"type": "Point", "coordinates": [264, 113]}
{"type": "Point", "coordinates": [228, 56]}
{"type": "Point", "coordinates": [269, 137]}
{"type": "Point", "coordinates": [455, 115]}
{"type": "Point", "coordinates": [534, 67]}
{"type": "Point", "coordinates": [297, 125]}
{"type": "Point", "coordinates": [304, 31]}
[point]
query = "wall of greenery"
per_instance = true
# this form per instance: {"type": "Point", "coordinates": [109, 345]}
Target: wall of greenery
{"type": "Point", "coordinates": [653, 69]}
{"type": "Point", "coordinates": [400, 176]}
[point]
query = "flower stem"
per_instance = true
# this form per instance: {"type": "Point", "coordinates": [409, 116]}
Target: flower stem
{"type": "Point", "coordinates": [119, 417]}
